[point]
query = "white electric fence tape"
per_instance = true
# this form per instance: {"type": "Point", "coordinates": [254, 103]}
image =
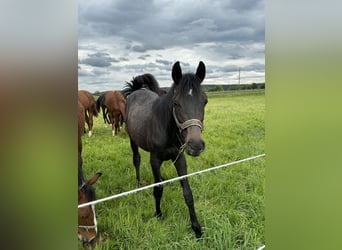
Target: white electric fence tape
{"type": "Point", "coordinates": [169, 181]}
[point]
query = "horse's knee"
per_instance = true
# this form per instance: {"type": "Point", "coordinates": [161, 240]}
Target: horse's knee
{"type": "Point", "coordinates": [158, 192]}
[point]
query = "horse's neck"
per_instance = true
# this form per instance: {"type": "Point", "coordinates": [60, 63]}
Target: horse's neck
{"type": "Point", "coordinates": [163, 109]}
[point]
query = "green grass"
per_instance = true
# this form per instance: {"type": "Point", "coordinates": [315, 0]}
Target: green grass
{"type": "Point", "coordinates": [229, 202]}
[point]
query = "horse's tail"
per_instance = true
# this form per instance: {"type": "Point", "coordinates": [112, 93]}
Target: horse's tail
{"type": "Point", "coordinates": [99, 102]}
{"type": "Point", "coordinates": [93, 109]}
{"type": "Point", "coordinates": [142, 81]}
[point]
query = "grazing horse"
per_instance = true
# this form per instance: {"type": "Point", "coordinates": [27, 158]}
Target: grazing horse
{"type": "Point", "coordinates": [115, 103]}
{"type": "Point", "coordinates": [167, 125]}
{"type": "Point", "coordinates": [89, 104]}
{"type": "Point", "coordinates": [100, 104]}
{"type": "Point", "coordinates": [87, 224]}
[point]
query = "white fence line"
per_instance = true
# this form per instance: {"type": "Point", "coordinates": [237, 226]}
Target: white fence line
{"type": "Point", "coordinates": [168, 181]}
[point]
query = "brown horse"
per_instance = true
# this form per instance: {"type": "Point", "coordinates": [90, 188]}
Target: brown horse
{"type": "Point", "coordinates": [81, 121]}
{"type": "Point", "coordinates": [116, 105]}
{"type": "Point", "coordinates": [89, 104]}
{"type": "Point", "coordinates": [87, 224]}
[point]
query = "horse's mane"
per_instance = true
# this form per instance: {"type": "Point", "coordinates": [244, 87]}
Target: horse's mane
{"type": "Point", "coordinates": [89, 190]}
{"type": "Point", "coordinates": [80, 172]}
{"type": "Point", "coordinates": [142, 81]}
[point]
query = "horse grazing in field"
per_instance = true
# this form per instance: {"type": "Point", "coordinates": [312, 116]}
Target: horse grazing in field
{"type": "Point", "coordinates": [81, 121]}
{"type": "Point", "coordinates": [100, 104]}
{"type": "Point", "coordinates": [115, 103]}
{"type": "Point", "coordinates": [167, 125]}
{"type": "Point", "coordinates": [87, 224]}
{"type": "Point", "coordinates": [89, 104]}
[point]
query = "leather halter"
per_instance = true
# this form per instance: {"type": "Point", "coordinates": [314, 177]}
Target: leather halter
{"type": "Point", "coordinates": [187, 123]}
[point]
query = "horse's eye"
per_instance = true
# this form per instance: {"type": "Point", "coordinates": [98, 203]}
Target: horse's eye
{"type": "Point", "coordinates": [206, 101]}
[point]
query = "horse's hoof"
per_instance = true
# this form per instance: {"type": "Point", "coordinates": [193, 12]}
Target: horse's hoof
{"type": "Point", "coordinates": [90, 133]}
{"type": "Point", "coordinates": [199, 235]}
{"type": "Point", "coordinates": [158, 215]}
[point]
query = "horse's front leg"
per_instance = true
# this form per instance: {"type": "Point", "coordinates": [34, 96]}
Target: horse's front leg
{"type": "Point", "coordinates": [158, 190]}
{"type": "Point", "coordinates": [181, 167]}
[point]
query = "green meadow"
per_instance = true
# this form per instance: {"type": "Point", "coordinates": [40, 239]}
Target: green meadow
{"type": "Point", "coordinates": [229, 202]}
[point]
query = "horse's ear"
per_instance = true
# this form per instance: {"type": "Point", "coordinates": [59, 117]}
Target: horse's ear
{"type": "Point", "coordinates": [176, 73]}
{"type": "Point", "coordinates": [200, 71]}
{"type": "Point", "coordinates": [94, 179]}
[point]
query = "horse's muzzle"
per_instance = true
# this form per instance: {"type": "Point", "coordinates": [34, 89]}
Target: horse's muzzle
{"type": "Point", "coordinates": [87, 236]}
{"type": "Point", "coordinates": [195, 148]}
{"type": "Point", "coordinates": [194, 142]}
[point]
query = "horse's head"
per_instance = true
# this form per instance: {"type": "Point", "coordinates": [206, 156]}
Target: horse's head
{"type": "Point", "coordinates": [87, 224]}
{"type": "Point", "coordinates": [188, 107]}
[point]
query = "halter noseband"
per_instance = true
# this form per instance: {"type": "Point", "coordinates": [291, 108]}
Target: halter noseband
{"type": "Point", "coordinates": [187, 123]}
{"type": "Point", "coordinates": [88, 227]}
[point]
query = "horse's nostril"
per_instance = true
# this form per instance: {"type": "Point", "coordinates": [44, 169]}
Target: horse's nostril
{"type": "Point", "coordinates": [196, 145]}
{"type": "Point", "coordinates": [195, 148]}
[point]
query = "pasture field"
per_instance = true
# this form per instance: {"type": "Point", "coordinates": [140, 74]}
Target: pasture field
{"type": "Point", "coordinates": [229, 202]}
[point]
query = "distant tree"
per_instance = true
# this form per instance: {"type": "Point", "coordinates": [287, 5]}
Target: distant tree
{"type": "Point", "coordinates": [216, 88]}
{"type": "Point", "coordinates": [254, 85]}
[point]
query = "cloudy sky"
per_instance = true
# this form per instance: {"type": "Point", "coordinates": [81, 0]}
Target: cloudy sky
{"type": "Point", "coordinates": [120, 39]}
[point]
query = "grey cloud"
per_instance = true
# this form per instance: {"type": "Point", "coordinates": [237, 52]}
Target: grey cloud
{"type": "Point", "coordinates": [220, 32]}
{"type": "Point", "coordinates": [144, 57]}
{"type": "Point", "coordinates": [153, 26]}
{"type": "Point", "coordinates": [98, 59]}
{"type": "Point", "coordinates": [164, 62]}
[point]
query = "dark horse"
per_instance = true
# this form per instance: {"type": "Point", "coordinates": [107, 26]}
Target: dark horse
{"type": "Point", "coordinates": [87, 225]}
{"type": "Point", "coordinates": [167, 125]}
{"type": "Point", "coordinates": [100, 104]}
{"type": "Point", "coordinates": [89, 104]}
{"type": "Point", "coordinates": [116, 104]}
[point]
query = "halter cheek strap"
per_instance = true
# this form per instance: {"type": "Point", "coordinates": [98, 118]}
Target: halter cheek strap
{"type": "Point", "coordinates": [187, 123]}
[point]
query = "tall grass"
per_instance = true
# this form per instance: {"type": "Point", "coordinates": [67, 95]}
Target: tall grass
{"type": "Point", "coordinates": [229, 202]}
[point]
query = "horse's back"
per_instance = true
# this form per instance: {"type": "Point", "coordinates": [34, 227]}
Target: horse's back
{"type": "Point", "coordinates": [87, 100]}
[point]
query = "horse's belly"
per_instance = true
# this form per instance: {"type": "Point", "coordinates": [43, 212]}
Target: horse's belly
{"type": "Point", "coordinates": [137, 125]}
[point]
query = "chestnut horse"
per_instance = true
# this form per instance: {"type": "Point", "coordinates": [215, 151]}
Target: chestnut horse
{"type": "Point", "coordinates": [87, 224]}
{"type": "Point", "coordinates": [116, 104]}
{"type": "Point", "coordinates": [166, 126]}
{"type": "Point", "coordinates": [81, 121]}
{"type": "Point", "coordinates": [89, 104]}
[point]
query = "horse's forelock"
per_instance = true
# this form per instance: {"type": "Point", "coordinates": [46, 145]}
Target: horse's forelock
{"type": "Point", "coordinates": [89, 192]}
{"type": "Point", "coordinates": [188, 83]}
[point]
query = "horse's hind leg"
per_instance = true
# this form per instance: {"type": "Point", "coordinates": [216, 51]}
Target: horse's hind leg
{"type": "Point", "coordinates": [116, 122]}
{"type": "Point", "coordinates": [181, 167]}
{"type": "Point", "coordinates": [86, 119]}
{"type": "Point", "coordinates": [136, 161]}
{"type": "Point", "coordinates": [104, 114]}
{"type": "Point", "coordinates": [90, 123]}
{"type": "Point", "coordinates": [158, 190]}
